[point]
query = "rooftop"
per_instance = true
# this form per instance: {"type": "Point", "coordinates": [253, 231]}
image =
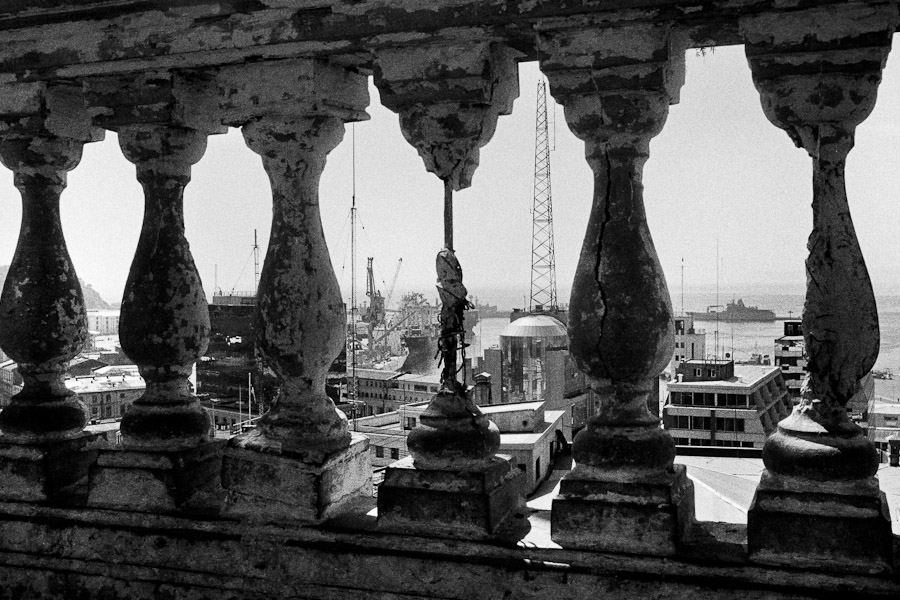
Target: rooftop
{"type": "Point", "coordinates": [746, 377]}
{"type": "Point", "coordinates": [535, 326]}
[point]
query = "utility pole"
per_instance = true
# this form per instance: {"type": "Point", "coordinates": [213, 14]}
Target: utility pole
{"type": "Point", "coordinates": [543, 253]}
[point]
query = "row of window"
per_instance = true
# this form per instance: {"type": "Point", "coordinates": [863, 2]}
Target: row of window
{"type": "Point", "coordinates": [709, 399]}
{"type": "Point", "coordinates": [722, 423]}
{"type": "Point", "coordinates": [720, 443]}
{"type": "Point", "coordinates": [379, 452]}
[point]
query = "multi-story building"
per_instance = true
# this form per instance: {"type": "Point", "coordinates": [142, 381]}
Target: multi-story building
{"type": "Point", "coordinates": [385, 391]}
{"type": "Point", "coordinates": [103, 322]}
{"type": "Point", "coordinates": [790, 356]}
{"type": "Point", "coordinates": [106, 397]}
{"type": "Point", "coordinates": [714, 402]}
{"type": "Point", "coordinates": [10, 381]}
{"type": "Point", "coordinates": [690, 343]}
{"type": "Point", "coordinates": [883, 423]}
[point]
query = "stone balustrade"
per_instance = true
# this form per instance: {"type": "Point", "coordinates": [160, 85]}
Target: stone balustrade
{"type": "Point", "coordinates": [286, 509]}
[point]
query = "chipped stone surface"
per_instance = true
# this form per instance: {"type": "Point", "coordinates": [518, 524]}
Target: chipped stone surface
{"type": "Point", "coordinates": [43, 323]}
{"type": "Point", "coordinates": [471, 503]}
{"type": "Point", "coordinates": [640, 517]}
{"type": "Point", "coordinates": [818, 503]}
{"type": "Point", "coordinates": [449, 97]}
{"type": "Point", "coordinates": [620, 316]}
{"type": "Point", "coordinates": [158, 481]}
{"type": "Point", "coordinates": [300, 315]}
{"type": "Point", "coordinates": [840, 319]}
{"type": "Point", "coordinates": [265, 487]}
{"type": "Point", "coordinates": [164, 325]}
{"type": "Point", "coordinates": [616, 89]}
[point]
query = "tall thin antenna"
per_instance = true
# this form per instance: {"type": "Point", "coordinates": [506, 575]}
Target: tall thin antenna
{"type": "Point", "coordinates": [352, 330]}
{"type": "Point", "coordinates": [215, 279]}
{"type": "Point", "coordinates": [255, 263]}
{"type": "Point", "coordinates": [682, 286]}
{"type": "Point", "coordinates": [543, 253]}
{"type": "Point", "coordinates": [719, 304]}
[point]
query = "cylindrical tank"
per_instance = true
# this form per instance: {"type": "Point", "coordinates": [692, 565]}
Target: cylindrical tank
{"type": "Point", "coordinates": [524, 347]}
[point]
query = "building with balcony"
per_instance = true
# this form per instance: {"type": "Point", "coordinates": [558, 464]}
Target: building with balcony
{"type": "Point", "coordinates": [286, 509]}
{"type": "Point", "coordinates": [715, 403]}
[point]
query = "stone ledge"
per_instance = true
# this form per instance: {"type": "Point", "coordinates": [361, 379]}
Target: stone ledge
{"type": "Point", "coordinates": [214, 32]}
{"type": "Point", "coordinates": [210, 558]}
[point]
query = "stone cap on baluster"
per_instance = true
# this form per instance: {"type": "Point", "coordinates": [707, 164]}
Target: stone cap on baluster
{"type": "Point", "coordinates": [449, 94]}
{"type": "Point", "coordinates": [148, 98]}
{"type": "Point", "coordinates": [288, 88]}
{"type": "Point", "coordinates": [819, 65]}
{"type": "Point", "coordinates": [587, 59]}
{"type": "Point", "coordinates": [57, 109]}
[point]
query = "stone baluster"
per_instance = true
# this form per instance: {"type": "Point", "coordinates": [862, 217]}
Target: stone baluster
{"type": "Point", "coordinates": [166, 460]}
{"type": "Point", "coordinates": [300, 316]}
{"type": "Point", "coordinates": [164, 323]}
{"type": "Point", "coordinates": [818, 502]}
{"type": "Point", "coordinates": [301, 463]}
{"type": "Point", "coordinates": [624, 493]}
{"type": "Point", "coordinates": [449, 96]}
{"type": "Point", "coordinates": [43, 323]}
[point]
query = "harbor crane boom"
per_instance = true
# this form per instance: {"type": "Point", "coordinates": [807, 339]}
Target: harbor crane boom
{"type": "Point", "coordinates": [390, 293]}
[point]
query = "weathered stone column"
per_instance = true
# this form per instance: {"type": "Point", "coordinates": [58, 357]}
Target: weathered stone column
{"type": "Point", "coordinates": [164, 324]}
{"type": "Point", "coordinates": [449, 96]}
{"type": "Point", "coordinates": [167, 460]}
{"type": "Point", "coordinates": [624, 493]}
{"type": "Point", "coordinates": [301, 462]}
{"type": "Point", "coordinates": [818, 502]}
{"type": "Point", "coordinates": [43, 324]}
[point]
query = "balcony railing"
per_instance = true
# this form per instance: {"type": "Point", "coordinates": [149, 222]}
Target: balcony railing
{"type": "Point", "coordinates": [285, 509]}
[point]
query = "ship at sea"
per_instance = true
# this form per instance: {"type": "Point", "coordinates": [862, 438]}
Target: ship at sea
{"type": "Point", "coordinates": [735, 311]}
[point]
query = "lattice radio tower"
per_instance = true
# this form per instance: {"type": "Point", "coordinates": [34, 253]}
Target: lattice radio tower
{"type": "Point", "coordinates": [543, 254]}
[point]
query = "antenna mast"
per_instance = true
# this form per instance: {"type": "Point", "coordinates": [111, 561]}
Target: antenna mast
{"type": "Point", "coordinates": [543, 254]}
{"type": "Point", "coordinates": [352, 330]}
{"type": "Point", "coordinates": [255, 264]}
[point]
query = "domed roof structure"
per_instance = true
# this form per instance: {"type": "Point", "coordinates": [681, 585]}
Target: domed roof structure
{"type": "Point", "coordinates": [535, 326]}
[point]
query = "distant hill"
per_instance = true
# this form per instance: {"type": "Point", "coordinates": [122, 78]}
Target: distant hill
{"type": "Point", "coordinates": [92, 299]}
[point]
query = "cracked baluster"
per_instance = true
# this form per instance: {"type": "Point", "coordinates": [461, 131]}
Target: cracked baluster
{"type": "Point", "coordinates": [624, 493]}
{"type": "Point", "coordinates": [43, 323]}
{"type": "Point", "coordinates": [818, 84]}
{"type": "Point", "coordinates": [164, 325]}
{"type": "Point", "coordinates": [621, 332]}
{"type": "Point", "coordinates": [300, 316]}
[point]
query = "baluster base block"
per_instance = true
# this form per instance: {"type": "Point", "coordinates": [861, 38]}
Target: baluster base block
{"type": "Point", "coordinates": [54, 472]}
{"type": "Point", "coordinates": [628, 515]}
{"type": "Point", "coordinates": [183, 481]}
{"type": "Point", "coordinates": [825, 525]}
{"type": "Point", "coordinates": [273, 486]}
{"type": "Point", "coordinates": [469, 504]}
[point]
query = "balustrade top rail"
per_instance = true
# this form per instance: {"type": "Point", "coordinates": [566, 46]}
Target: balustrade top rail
{"type": "Point", "coordinates": [41, 39]}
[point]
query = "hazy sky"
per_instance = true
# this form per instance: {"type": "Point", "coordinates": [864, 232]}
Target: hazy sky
{"type": "Point", "coordinates": [718, 171]}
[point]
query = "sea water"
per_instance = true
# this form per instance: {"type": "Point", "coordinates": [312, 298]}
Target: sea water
{"type": "Point", "coordinates": [743, 340]}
